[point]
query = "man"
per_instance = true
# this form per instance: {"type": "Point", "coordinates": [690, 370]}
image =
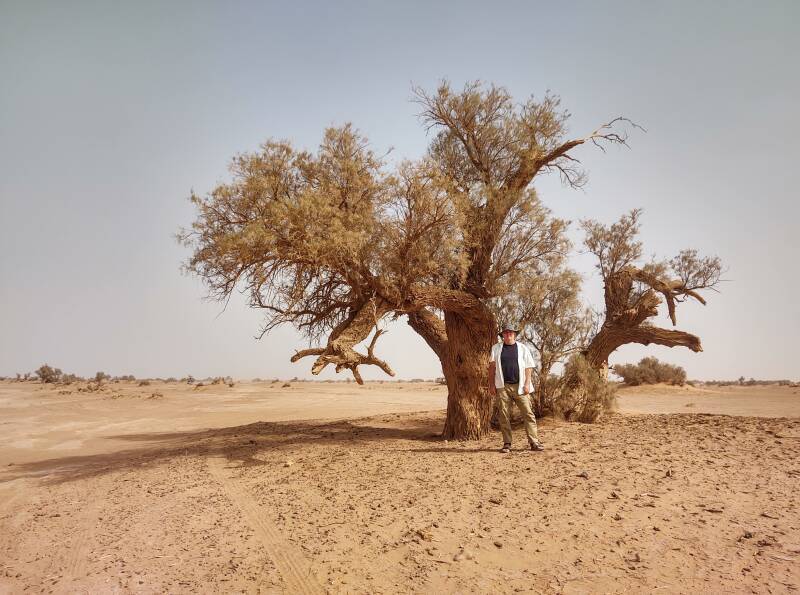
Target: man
{"type": "Point", "coordinates": [510, 381]}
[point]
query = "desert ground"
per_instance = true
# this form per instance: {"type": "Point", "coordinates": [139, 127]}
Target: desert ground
{"type": "Point", "coordinates": [334, 487]}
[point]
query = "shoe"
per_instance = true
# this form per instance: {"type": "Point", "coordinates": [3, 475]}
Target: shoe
{"type": "Point", "coordinates": [506, 448]}
{"type": "Point", "coordinates": [537, 446]}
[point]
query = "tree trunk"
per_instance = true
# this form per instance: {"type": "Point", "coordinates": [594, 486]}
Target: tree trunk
{"type": "Point", "coordinates": [465, 365]}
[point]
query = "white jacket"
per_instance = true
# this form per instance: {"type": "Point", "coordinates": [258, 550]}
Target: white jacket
{"type": "Point", "coordinates": [524, 360]}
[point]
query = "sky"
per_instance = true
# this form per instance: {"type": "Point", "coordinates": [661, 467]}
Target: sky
{"type": "Point", "coordinates": [112, 113]}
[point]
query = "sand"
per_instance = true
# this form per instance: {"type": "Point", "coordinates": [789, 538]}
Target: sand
{"type": "Point", "coordinates": [338, 488]}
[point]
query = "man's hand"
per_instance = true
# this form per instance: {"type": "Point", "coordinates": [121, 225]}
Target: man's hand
{"type": "Point", "coordinates": [492, 390]}
{"type": "Point", "coordinates": [528, 387]}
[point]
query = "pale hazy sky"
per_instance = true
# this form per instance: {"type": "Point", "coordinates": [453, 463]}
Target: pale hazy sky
{"type": "Point", "coordinates": [111, 112]}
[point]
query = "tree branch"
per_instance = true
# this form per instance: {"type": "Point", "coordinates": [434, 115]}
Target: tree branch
{"type": "Point", "coordinates": [351, 331]}
{"type": "Point", "coordinates": [431, 328]}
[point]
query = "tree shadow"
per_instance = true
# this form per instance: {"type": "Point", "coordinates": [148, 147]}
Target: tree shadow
{"type": "Point", "coordinates": [238, 444]}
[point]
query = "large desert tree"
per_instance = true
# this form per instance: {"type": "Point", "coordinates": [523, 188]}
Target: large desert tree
{"type": "Point", "coordinates": [334, 242]}
{"type": "Point", "coordinates": [634, 290]}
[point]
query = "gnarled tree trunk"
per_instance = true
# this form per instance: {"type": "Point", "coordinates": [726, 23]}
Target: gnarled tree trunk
{"type": "Point", "coordinates": [469, 404]}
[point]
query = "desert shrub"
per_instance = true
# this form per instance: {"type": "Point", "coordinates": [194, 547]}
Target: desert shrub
{"type": "Point", "coordinates": [144, 383]}
{"type": "Point", "coordinates": [101, 376]}
{"type": "Point", "coordinates": [171, 379]}
{"type": "Point", "coordinates": [49, 374]}
{"type": "Point", "coordinates": [231, 384]}
{"type": "Point", "coordinates": [128, 378]}
{"type": "Point", "coordinates": [286, 385]}
{"type": "Point", "coordinates": [544, 401]}
{"type": "Point", "coordinates": [189, 379]}
{"type": "Point", "coordinates": [70, 378]}
{"type": "Point", "coordinates": [650, 371]}
{"type": "Point", "coordinates": [583, 395]}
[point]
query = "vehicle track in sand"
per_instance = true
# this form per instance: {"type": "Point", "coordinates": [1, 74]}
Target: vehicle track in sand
{"type": "Point", "coordinates": [76, 558]}
{"type": "Point", "coordinates": [293, 567]}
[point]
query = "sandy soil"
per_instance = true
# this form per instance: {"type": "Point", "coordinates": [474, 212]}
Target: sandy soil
{"type": "Point", "coordinates": [218, 490]}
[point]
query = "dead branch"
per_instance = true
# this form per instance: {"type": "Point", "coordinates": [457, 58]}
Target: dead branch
{"type": "Point", "coordinates": [351, 331]}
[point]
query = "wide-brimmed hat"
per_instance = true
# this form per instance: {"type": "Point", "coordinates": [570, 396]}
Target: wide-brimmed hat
{"type": "Point", "coordinates": [507, 327]}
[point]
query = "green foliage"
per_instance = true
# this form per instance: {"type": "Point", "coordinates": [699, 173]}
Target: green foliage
{"type": "Point", "coordinates": [584, 395]}
{"type": "Point", "coordinates": [48, 374]}
{"type": "Point", "coordinates": [650, 371]}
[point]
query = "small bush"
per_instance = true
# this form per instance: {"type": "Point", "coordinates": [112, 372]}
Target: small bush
{"type": "Point", "coordinates": [584, 395]}
{"type": "Point", "coordinates": [171, 379]}
{"type": "Point", "coordinates": [286, 385]}
{"type": "Point", "coordinates": [101, 376]}
{"type": "Point", "coordinates": [544, 398]}
{"type": "Point", "coordinates": [49, 374]}
{"type": "Point", "coordinates": [144, 383]}
{"type": "Point", "coordinates": [650, 371]}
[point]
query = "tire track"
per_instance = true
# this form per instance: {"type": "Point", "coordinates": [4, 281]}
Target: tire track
{"type": "Point", "coordinates": [77, 557]}
{"type": "Point", "coordinates": [290, 562]}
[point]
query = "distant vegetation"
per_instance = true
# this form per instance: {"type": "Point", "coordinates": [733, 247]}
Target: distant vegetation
{"type": "Point", "coordinates": [650, 371]}
{"type": "Point", "coordinates": [751, 382]}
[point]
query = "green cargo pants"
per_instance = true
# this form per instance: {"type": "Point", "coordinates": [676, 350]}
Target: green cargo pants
{"type": "Point", "coordinates": [505, 396]}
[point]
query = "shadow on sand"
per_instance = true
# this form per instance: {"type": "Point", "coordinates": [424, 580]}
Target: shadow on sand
{"type": "Point", "coordinates": [240, 444]}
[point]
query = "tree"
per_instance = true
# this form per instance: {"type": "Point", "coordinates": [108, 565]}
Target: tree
{"type": "Point", "coordinates": [48, 374]}
{"type": "Point", "coordinates": [633, 291]}
{"type": "Point", "coordinates": [334, 244]}
{"type": "Point", "coordinates": [650, 371]}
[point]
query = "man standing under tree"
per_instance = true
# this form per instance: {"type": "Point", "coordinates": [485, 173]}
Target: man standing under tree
{"type": "Point", "coordinates": [511, 382]}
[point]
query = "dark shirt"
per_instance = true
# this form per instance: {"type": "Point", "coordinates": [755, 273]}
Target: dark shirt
{"type": "Point", "coordinates": [509, 364]}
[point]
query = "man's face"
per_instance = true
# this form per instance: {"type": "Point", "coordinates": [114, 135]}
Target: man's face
{"type": "Point", "coordinates": [509, 337]}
